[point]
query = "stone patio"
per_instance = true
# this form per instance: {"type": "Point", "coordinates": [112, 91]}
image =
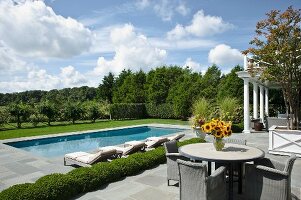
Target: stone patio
{"type": "Point", "coordinates": [17, 166]}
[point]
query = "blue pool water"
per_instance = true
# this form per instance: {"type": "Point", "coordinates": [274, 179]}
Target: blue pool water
{"type": "Point", "coordinates": [58, 146]}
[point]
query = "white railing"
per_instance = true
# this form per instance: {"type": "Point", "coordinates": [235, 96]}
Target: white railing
{"type": "Point", "coordinates": [284, 142]}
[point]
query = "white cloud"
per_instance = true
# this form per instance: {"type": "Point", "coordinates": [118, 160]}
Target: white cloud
{"type": "Point", "coordinates": [142, 4]}
{"type": "Point", "coordinates": [132, 51]}
{"type": "Point", "coordinates": [200, 26]}
{"type": "Point", "coordinates": [164, 9]}
{"type": "Point", "coordinates": [182, 9]}
{"type": "Point", "coordinates": [33, 29]}
{"type": "Point", "coordinates": [39, 79]}
{"type": "Point", "coordinates": [225, 57]}
{"type": "Point", "coordinates": [195, 66]}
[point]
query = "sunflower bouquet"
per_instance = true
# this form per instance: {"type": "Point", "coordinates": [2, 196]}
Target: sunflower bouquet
{"type": "Point", "coordinates": [218, 129]}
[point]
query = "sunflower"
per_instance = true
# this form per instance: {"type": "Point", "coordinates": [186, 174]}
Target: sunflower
{"type": "Point", "coordinates": [218, 134]}
{"type": "Point", "coordinates": [206, 128]}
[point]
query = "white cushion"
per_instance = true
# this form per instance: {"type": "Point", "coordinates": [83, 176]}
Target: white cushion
{"type": "Point", "coordinates": [76, 154]}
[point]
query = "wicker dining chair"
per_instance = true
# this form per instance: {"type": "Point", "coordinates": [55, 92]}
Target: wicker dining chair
{"type": "Point", "coordinates": [195, 184]}
{"type": "Point", "coordinates": [269, 179]}
{"type": "Point", "coordinates": [172, 154]}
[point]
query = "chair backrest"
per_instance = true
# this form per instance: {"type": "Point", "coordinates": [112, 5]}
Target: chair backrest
{"type": "Point", "coordinates": [192, 180]}
{"type": "Point", "coordinates": [289, 164]}
{"type": "Point", "coordinates": [171, 147]}
{"type": "Point", "coordinates": [236, 141]}
{"type": "Point", "coordinates": [156, 143]}
{"type": "Point", "coordinates": [102, 155]}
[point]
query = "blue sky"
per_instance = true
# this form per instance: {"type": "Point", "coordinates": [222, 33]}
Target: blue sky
{"type": "Point", "coordinates": [62, 43]}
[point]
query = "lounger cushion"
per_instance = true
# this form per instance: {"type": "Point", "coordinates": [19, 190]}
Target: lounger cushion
{"type": "Point", "coordinates": [76, 154]}
{"type": "Point", "coordinates": [176, 137]}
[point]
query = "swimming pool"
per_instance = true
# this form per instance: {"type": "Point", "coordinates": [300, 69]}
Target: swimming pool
{"type": "Point", "coordinates": [59, 146]}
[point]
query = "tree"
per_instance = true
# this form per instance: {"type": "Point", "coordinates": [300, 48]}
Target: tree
{"type": "Point", "coordinates": [48, 109]}
{"type": "Point", "coordinates": [92, 110]}
{"type": "Point", "coordinates": [278, 44]}
{"type": "Point", "coordinates": [209, 83]}
{"type": "Point", "coordinates": [73, 111]}
{"type": "Point", "coordinates": [106, 88]}
{"type": "Point", "coordinates": [4, 115]}
{"type": "Point", "coordinates": [231, 85]}
{"type": "Point", "coordinates": [20, 111]}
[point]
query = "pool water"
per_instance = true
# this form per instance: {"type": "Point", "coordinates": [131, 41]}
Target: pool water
{"type": "Point", "coordinates": [59, 146]}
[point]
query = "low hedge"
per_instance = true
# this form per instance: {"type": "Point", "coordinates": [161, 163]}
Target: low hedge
{"type": "Point", "coordinates": [86, 179]}
{"type": "Point", "coordinates": [162, 111]}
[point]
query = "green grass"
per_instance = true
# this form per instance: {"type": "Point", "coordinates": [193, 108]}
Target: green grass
{"type": "Point", "coordinates": [83, 126]}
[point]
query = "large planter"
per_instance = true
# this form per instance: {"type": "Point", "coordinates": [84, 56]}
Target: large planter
{"type": "Point", "coordinates": [284, 142]}
{"type": "Point", "coordinates": [199, 133]}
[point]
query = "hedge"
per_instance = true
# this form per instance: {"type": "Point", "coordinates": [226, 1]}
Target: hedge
{"type": "Point", "coordinates": [127, 111]}
{"type": "Point", "coordinates": [163, 111]}
{"type": "Point", "coordinates": [86, 179]}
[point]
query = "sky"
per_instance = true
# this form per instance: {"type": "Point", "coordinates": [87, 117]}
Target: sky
{"type": "Point", "coordinates": [55, 44]}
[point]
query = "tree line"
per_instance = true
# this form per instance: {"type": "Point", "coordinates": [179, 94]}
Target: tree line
{"type": "Point", "coordinates": [167, 88]}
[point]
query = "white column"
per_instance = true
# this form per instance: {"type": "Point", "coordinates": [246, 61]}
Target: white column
{"type": "Point", "coordinates": [255, 100]}
{"type": "Point", "coordinates": [246, 106]}
{"type": "Point", "coordinates": [261, 101]}
{"type": "Point", "coordinates": [245, 62]}
{"type": "Point", "coordinates": [266, 101]}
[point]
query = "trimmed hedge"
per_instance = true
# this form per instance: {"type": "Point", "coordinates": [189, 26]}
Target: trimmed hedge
{"type": "Point", "coordinates": [163, 111]}
{"type": "Point", "coordinates": [127, 111]}
{"type": "Point", "coordinates": [86, 179]}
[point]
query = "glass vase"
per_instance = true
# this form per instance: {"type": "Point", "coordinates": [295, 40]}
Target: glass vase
{"type": "Point", "coordinates": [199, 133]}
{"type": "Point", "coordinates": [219, 144]}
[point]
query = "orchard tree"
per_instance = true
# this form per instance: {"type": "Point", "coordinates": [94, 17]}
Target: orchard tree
{"type": "Point", "coordinates": [92, 110]}
{"type": "Point", "coordinates": [73, 111]}
{"type": "Point", "coordinates": [278, 44]}
{"type": "Point", "coordinates": [20, 111]}
{"type": "Point", "coordinates": [48, 109]}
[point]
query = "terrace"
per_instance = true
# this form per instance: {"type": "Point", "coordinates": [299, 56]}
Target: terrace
{"type": "Point", "coordinates": [18, 167]}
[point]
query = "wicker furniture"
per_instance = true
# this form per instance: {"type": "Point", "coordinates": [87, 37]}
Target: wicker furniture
{"type": "Point", "coordinates": [231, 154]}
{"type": "Point", "coordinates": [195, 184]}
{"type": "Point", "coordinates": [172, 154]}
{"type": "Point", "coordinates": [269, 179]}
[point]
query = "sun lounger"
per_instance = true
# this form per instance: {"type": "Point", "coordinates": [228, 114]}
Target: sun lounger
{"type": "Point", "coordinates": [129, 148]}
{"type": "Point", "coordinates": [153, 142]}
{"type": "Point", "coordinates": [87, 159]}
{"type": "Point", "coordinates": [176, 137]}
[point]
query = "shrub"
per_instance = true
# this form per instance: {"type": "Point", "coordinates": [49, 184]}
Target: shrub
{"type": "Point", "coordinates": [202, 108]}
{"type": "Point", "coordinates": [162, 111]}
{"type": "Point", "coordinates": [237, 128]}
{"type": "Point", "coordinates": [85, 179]}
{"type": "Point", "coordinates": [228, 107]}
{"type": "Point", "coordinates": [127, 111]}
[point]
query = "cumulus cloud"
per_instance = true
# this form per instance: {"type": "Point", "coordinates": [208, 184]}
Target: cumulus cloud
{"type": "Point", "coordinates": [164, 9]}
{"type": "Point", "coordinates": [195, 66]}
{"type": "Point", "coordinates": [201, 25]}
{"type": "Point", "coordinates": [132, 51]}
{"type": "Point", "coordinates": [225, 57]}
{"type": "Point", "coordinates": [33, 29]}
{"type": "Point", "coordinates": [182, 9]}
{"type": "Point", "coordinates": [39, 79]}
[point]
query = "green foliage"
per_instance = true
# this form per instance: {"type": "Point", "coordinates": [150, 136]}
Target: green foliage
{"type": "Point", "coordinates": [228, 107]}
{"type": "Point", "coordinates": [209, 83]}
{"type": "Point", "coordinates": [92, 110]}
{"type": "Point", "coordinates": [20, 111]}
{"type": "Point", "coordinates": [127, 111]}
{"type": "Point", "coordinates": [72, 111]}
{"type": "Point", "coordinates": [231, 85]}
{"type": "Point", "coordinates": [162, 111]}
{"type": "Point", "coordinates": [85, 179]}
{"type": "Point", "coordinates": [131, 90]}
{"type": "Point", "coordinates": [4, 115]}
{"type": "Point", "coordinates": [202, 108]}
{"type": "Point", "coordinates": [48, 109]}
{"type": "Point", "coordinates": [105, 89]}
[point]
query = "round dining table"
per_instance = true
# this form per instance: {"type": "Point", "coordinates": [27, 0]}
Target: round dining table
{"type": "Point", "coordinates": [230, 154]}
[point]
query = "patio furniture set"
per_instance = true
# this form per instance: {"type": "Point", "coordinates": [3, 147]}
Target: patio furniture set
{"type": "Point", "coordinates": [264, 178]}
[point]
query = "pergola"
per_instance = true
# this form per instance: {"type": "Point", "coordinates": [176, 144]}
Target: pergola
{"type": "Point", "coordinates": [263, 94]}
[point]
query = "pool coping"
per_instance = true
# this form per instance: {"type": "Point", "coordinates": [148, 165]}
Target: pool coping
{"type": "Point", "coordinates": [186, 127]}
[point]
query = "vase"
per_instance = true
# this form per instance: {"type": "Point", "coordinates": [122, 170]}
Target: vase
{"type": "Point", "coordinates": [218, 143]}
{"type": "Point", "coordinates": [199, 133]}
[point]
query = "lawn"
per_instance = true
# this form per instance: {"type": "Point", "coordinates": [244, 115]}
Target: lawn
{"type": "Point", "coordinates": [64, 128]}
